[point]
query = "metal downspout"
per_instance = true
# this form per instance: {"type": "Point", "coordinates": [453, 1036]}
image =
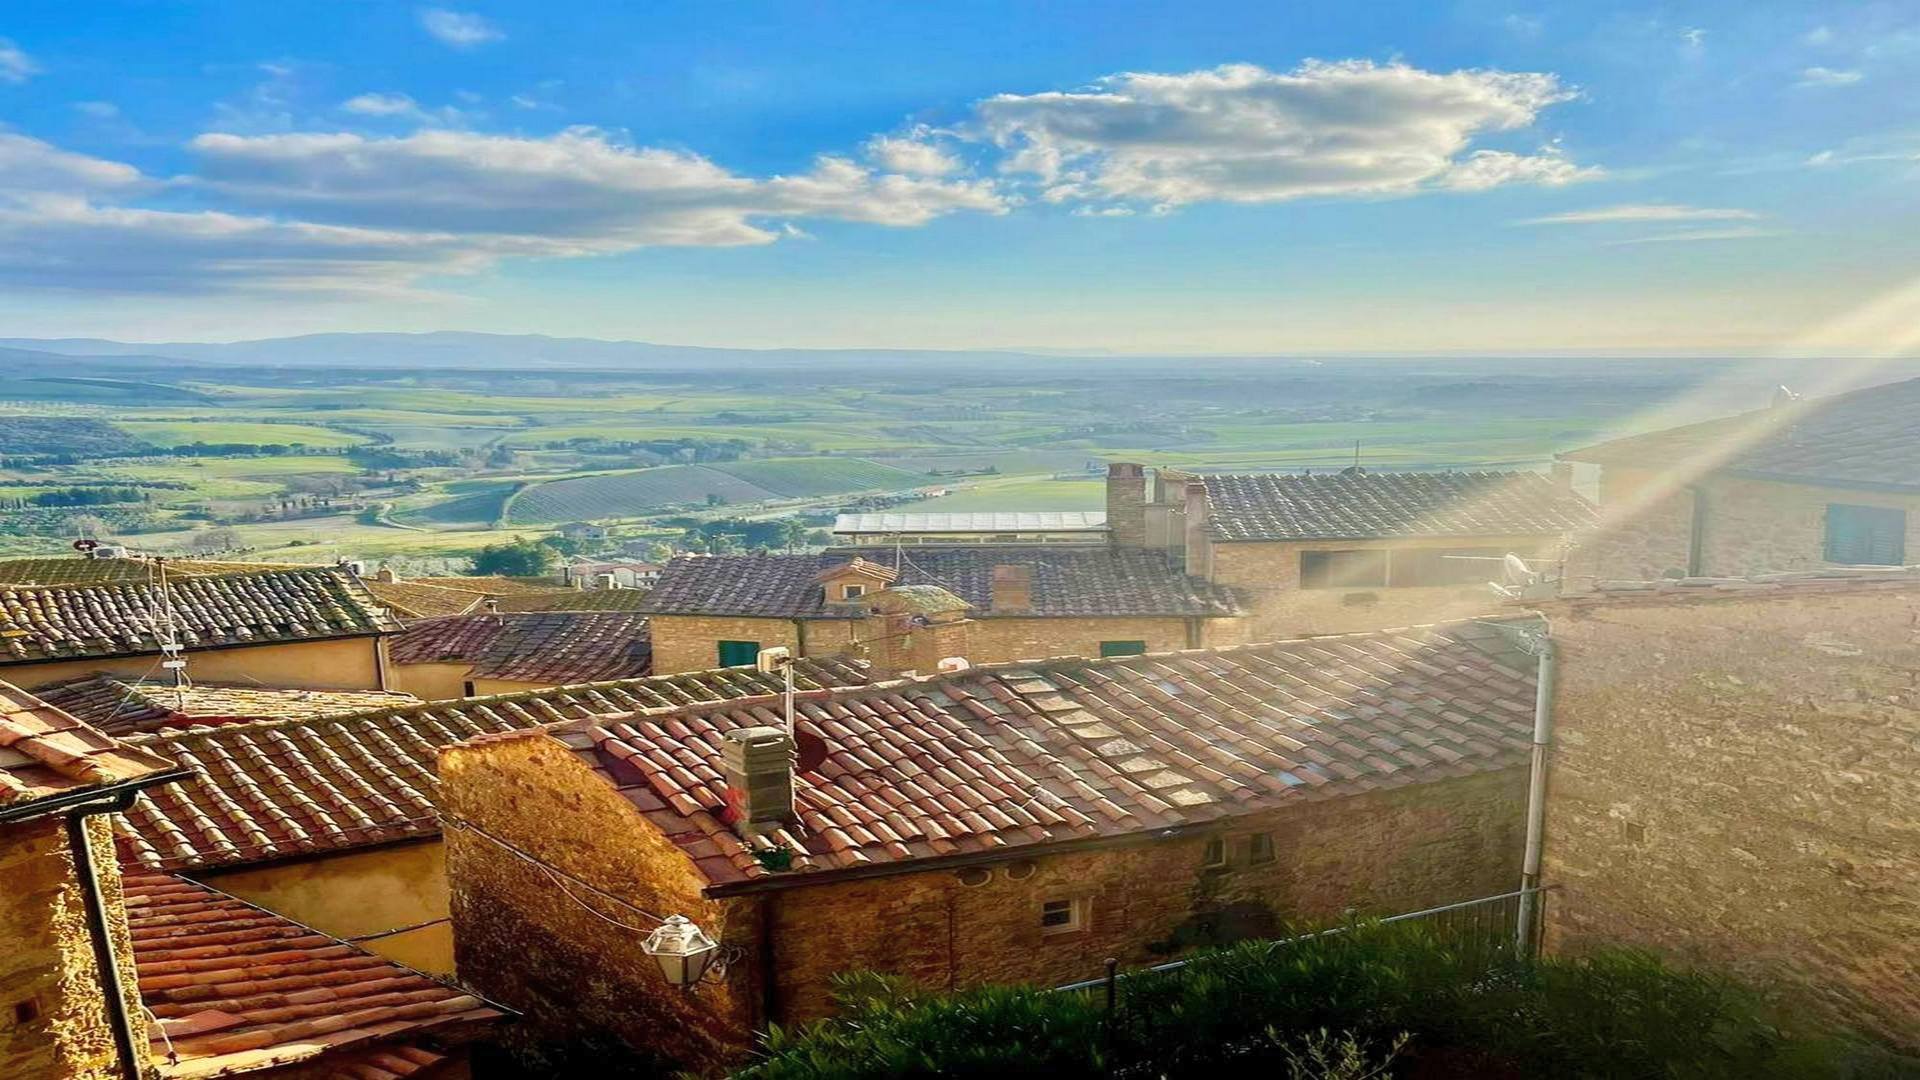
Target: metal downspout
{"type": "Point", "coordinates": [125, 1042]}
{"type": "Point", "coordinates": [1548, 675]}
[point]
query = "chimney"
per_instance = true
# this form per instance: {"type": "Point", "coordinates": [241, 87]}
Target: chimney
{"type": "Point", "coordinates": [1198, 545]}
{"type": "Point", "coordinates": [386, 576]}
{"type": "Point", "coordinates": [1562, 474]}
{"type": "Point", "coordinates": [757, 764]}
{"type": "Point", "coordinates": [1127, 504]}
{"type": "Point", "coordinates": [1012, 588]}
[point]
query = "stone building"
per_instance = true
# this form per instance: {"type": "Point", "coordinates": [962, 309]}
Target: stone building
{"type": "Point", "coordinates": [328, 818]}
{"type": "Point", "coordinates": [69, 997]}
{"type": "Point", "coordinates": [507, 652]}
{"type": "Point", "coordinates": [309, 627]}
{"type": "Point", "coordinates": [1735, 782]}
{"type": "Point", "coordinates": [1802, 484]}
{"type": "Point", "coordinates": [1023, 601]}
{"type": "Point", "coordinates": [1008, 823]}
{"type": "Point", "coordinates": [1346, 550]}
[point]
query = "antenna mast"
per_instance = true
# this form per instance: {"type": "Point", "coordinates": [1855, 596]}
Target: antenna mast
{"type": "Point", "coordinates": [173, 658]}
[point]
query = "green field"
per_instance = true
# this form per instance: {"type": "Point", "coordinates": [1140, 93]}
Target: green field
{"type": "Point", "coordinates": [798, 477]}
{"type": "Point", "coordinates": [1020, 493]}
{"type": "Point", "coordinates": [651, 491]}
{"type": "Point", "coordinates": [186, 432]}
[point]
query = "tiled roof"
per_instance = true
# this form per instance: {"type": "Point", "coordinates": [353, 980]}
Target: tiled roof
{"type": "Point", "coordinates": [44, 752]}
{"type": "Point", "coordinates": [577, 600]}
{"type": "Point", "coordinates": [61, 622]}
{"type": "Point", "coordinates": [75, 570]}
{"type": "Point", "coordinates": [412, 600]}
{"type": "Point", "coordinates": [1865, 438]}
{"type": "Point", "coordinates": [552, 647]}
{"type": "Point", "coordinates": [120, 706]}
{"type": "Point", "coordinates": [989, 521]}
{"type": "Point", "coordinates": [1065, 581]}
{"type": "Point", "coordinates": [236, 989]}
{"type": "Point", "coordinates": [1360, 505]}
{"type": "Point", "coordinates": [1010, 756]}
{"type": "Point", "coordinates": [266, 791]}
{"type": "Point", "coordinates": [494, 584]}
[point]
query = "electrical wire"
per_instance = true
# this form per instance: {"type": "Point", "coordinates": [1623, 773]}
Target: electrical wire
{"type": "Point", "coordinates": [556, 876]}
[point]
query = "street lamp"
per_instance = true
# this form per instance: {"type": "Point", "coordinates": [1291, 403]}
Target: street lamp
{"type": "Point", "coordinates": [682, 950]}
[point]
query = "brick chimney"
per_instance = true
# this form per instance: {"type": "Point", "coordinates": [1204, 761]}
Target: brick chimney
{"type": "Point", "coordinates": [1127, 504]}
{"type": "Point", "coordinates": [1012, 589]}
{"type": "Point", "coordinates": [757, 764]}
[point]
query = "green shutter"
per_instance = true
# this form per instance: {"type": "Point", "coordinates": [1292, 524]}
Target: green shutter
{"type": "Point", "coordinates": [1866, 535]}
{"type": "Point", "coordinates": [1122, 648]}
{"type": "Point", "coordinates": [739, 653]}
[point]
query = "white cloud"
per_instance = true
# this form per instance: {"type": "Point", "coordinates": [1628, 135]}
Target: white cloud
{"type": "Point", "coordinates": [574, 192]}
{"type": "Point", "coordinates": [1241, 133]}
{"type": "Point", "coordinates": [27, 164]}
{"type": "Point", "coordinates": [99, 110]}
{"type": "Point", "coordinates": [382, 105]}
{"type": "Point", "coordinates": [15, 65]}
{"type": "Point", "coordinates": [1822, 76]}
{"type": "Point", "coordinates": [1697, 235]}
{"type": "Point", "coordinates": [1818, 36]}
{"type": "Point", "coordinates": [912, 155]}
{"type": "Point", "coordinates": [1694, 37]}
{"type": "Point", "coordinates": [1644, 212]}
{"type": "Point", "coordinates": [459, 29]}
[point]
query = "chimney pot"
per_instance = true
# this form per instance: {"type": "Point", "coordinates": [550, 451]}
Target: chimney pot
{"type": "Point", "coordinates": [757, 764]}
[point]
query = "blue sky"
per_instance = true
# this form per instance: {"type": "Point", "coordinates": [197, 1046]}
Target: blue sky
{"type": "Point", "coordinates": [1188, 177]}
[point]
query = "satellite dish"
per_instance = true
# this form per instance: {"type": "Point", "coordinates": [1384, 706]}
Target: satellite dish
{"type": "Point", "coordinates": [1518, 572]}
{"type": "Point", "coordinates": [811, 751]}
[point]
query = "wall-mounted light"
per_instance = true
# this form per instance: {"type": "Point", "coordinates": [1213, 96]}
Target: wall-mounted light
{"type": "Point", "coordinates": [682, 949]}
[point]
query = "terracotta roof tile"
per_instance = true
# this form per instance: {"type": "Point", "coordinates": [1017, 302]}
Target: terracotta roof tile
{"type": "Point", "coordinates": [80, 570]}
{"type": "Point", "coordinates": [45, 752]}
{"type": "Point", "coordinates": [264, 791]}
{"type": "Point", "coordinates": [1357, 504]}
{"type": "Point", "coordinates": [234, 988]}
{"type": "Point", "coordinates": [546, 647]}
{"type": "Point", "coordinates": [1064, 581]}
{"type": "Point", "coordinates": [412, 600]}
{"type": "Point", "coordinates": [60, 622]}
{"type": "Point", "coordinates": [121, 706]}
{"type": "Point", "coordinates": [1020, 754]}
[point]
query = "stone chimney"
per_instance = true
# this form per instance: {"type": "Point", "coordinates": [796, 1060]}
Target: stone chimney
{"type": "Point", "coordinates": [1127, 504]}
{"type": "Point", "coordinates": [757, 764]}
{"type": "Point", "coordinates": [1012, 589]}
{"type": "Point", "coordinates": [386, 576]}
{"type": "Point", "coordinates": [1198, 543]}
{"type": "Point", "coordinates": [911, 628]}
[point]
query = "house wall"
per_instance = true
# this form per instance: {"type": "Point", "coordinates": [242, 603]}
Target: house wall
{"type": "Point", "coordinates": [1746, 808]}
{"type": "Point", "coordinates": [359, 893]}
{"type": "Point", "coordinates": [573, 963]}
{"type": "Point", "coordinates": [53, 1017]}
{"type": "Point", "coordinates": [521, 942]}
{"type": "Point", "coordinates": [333, 664]}
{"type": "Point", "coordinates": [691, 643]}
{"type": "Point", "coordinates": [1750, 526]}
{"type": "Point", "coordinates": [1269, 573]}
{"type": "Point", "coordinates": [431, 682]}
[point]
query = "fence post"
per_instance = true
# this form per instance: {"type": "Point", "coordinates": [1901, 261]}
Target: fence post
{"type": "Point", "coordinates": [1113, 981]}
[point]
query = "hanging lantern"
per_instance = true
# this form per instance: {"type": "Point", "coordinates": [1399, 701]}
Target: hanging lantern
{"type": "Point", "coordinates": [682, 950]}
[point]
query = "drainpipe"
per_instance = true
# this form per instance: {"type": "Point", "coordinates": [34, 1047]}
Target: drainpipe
{"type": "Point", "coordinates": [1548, 653]}
{"type": "Point", "coordinates": [126, 1042]}
{"type": "Point", "coordinates": [1697, 533]}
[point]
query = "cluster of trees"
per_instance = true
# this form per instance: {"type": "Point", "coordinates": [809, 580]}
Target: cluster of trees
{"type": "Point", "coordinates": [726, 536]}
{"type": "Point", "coordinates": [77, 496]}
{"type": "Point", "coordinates": [683, 450]}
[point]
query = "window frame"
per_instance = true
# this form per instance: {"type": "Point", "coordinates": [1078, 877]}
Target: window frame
{"type": "Point", "coordinates": [1317, 566]}
{"type": "Point", "coordinates": [721, 650]}
{"type": "Point", "coordinates": [1076, 909]}
{"type": "Point", "coordinates": [852, 590]}
{"type": "Point", "coordinates": [1214, 855]}
{"type": "Point", "coordinates": [1869, 526]}
{"type": "Point", "coordinates": [1257, 857]}
{"type": "Point", "coordinates": [1126, 647]}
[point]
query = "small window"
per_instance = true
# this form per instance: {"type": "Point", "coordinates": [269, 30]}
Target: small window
{"type": "Point", "coordinates": [739, 653]}
{"type": "Point", "coordinates": [1122, 648]}
{"type": "Point", "coordinates": [466, 688]}
{"type": "Point", "coordinates": [1063, 916]}
{"type": "Point", "coordinates": [1259, 849]}
{"type": "Point", "coordinates": [1866, 535]}
{"type": "Point", "coordinates": [848, 592]}
{"type": "Point", "coordinates": [1357, 569]}
{"type": "Point", "coordinates": [1215, 853]}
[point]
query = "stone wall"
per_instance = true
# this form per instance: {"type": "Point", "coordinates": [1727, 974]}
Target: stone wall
{"type": "Point", "coordinates": [1735, 784]}
{"type": "Point", "coordinates": [691, 642]}
{"type": "Point", "coordinates": [53, 1017]}
{"type": "Point", "coordinates": [1749, 527]}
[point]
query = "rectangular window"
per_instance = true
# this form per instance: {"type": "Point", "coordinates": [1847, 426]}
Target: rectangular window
{"type": "Point", "coordinates": [1866, 535]}
{"type": "Point", "coordinates": [1356, 569]}
{"type": "Point", "coordinates": [850, 591]}
{"type": "Point", "coordinates": [1063, 916]}
{"type": "Point", "coordinates": [1122, 648]}
{"type": "Point", "coordinates": [466, 688]}
{"type": "Point", "coordinates": [1215, 853]}
{"type": "Point", "coordinates": [1259, 849]}
{"type": "Point", "coordinates": [739, 653]}
{"type": "Point", "coordinates": [1412, 567]}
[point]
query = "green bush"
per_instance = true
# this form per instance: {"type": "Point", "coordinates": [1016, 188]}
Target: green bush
{"type": "Point", "coordinates": [1401, 1000]}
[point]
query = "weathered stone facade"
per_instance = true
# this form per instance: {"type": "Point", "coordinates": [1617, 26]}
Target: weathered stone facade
{"type": "Point", "coordinates": [1735, 784]}
{"type": "Point", "coordinates": [1744, 526]}
{"type": "Point", "coordinates": [521, 940]}
{"type": "Point", "coordinates": [53, 1016]}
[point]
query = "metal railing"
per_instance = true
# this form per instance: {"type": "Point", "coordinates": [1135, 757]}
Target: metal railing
{"type": "Point", "coordinates": [1487, 923]}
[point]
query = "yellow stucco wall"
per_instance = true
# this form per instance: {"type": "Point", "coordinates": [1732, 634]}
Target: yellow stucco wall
{"type": "Point", "coordinates": [360, 893]}
{"type": "Point", "coordinates": [434, 682]}
{"type": "Point", "coordinates": [334, 664]}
